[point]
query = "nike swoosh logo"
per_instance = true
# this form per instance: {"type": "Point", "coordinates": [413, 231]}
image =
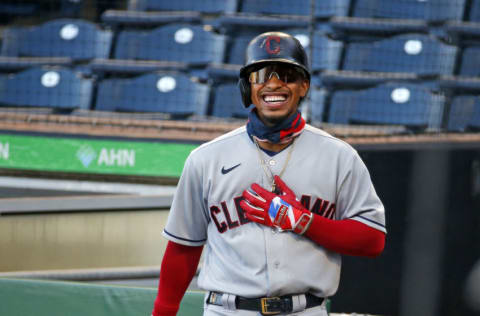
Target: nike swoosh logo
{"type": "Point", "coordinates": [225, 171]}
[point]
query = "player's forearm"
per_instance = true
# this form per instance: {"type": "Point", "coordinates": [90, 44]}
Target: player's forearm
{"type": "Point", "coordinates": [348, 237]}
{"type": "Point", "coordinates": [179, 265]}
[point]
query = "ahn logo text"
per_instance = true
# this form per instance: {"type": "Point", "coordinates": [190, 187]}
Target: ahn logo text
{"type": "Point", "coordinates": [117, 157]}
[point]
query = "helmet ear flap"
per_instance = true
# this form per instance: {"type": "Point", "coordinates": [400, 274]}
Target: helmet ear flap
{"type": "Point", "coordinates": [245, 90]}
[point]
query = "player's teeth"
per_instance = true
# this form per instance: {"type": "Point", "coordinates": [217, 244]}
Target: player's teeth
{"type": "Point", "coordinates": [274, 98]}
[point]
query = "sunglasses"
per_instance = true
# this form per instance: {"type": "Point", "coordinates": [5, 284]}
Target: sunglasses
{"type": "Point", "coordinates": [285, 73]}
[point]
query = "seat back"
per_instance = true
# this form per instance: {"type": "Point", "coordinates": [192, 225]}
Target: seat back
{"type": "Point", "coordinates": [74, 38]}
{"type": "Point", "coordinates": [410, 105]}
{"type": "Point", "coordinates": [439, 10]}
{"type": "Point", "coordinates": [284, 7]}
{"type": "Point", "coordinates": [175, 42]}
{"type": "Point", "coordinates": [171, 93]}
{"type": "Point", "coordinates": [474, 12]}
{"type": "Point", "coordinates": [316, 104]}
{"type": "Point", "coordinates": [470, 62]}
{"type": "Point", "coordinates": [46, 87]}
{"type": "Point", "coordinates": [227, 102]}
{"type": "Point", "coordinates": [407, 53]}
{"type": "Point", "coordinates": [205, 6]}
{"type": "Point", "coordinates": [322, 8]}
{"type": "Point", "coordinates": [464, 113]}
{"type": "Point", "coordinates": [327, 53]}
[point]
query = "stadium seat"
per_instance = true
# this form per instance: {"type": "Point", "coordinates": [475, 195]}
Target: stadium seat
{"type": "Point", "coordinates": [323, 8]}
{"type": "Point", "coordinates": [470, 62]}
{"type": "Point", "coordinates": [406, 53]}
{"type": "Point", "coordinates": [46, 87]}
{"type": "Point", "coordinates": [316, 104]}
{"type": "Point", "coordinates": [126, 18]}
{"type": "Point", "coordinates": [227, 102]}
{"type": "Point", "coordinates": [341, 106]}
{"type": "Point", "coordinates": [464, 114]}
{"type": "Point", "coordinates": [223, 73]}
{"type": "Point", "coordinates": [170, 93]}
{"type": "Point", "coordinates": [406, 104]}
{"type": "Point", "coordinates": [11, 8]}
{"type": "Point", "coordinates": [249, 23]}
{"type": "Point", "coordinates": [357, 29]}
{"type": "Point", "coordinates": [174, 42]}
{"type": "Point", "coordinates": [439, 10]}
{"type": "Point", "coordinates": [77, 39]}
{"type": "Point", "coordinates": [327, 53]}
{"type": "Point", "coordinates": [205, 6]}
{"type": "Point", "coordinates": [16, 8]}
{"type": "Point", "coordinates": [474, 12]}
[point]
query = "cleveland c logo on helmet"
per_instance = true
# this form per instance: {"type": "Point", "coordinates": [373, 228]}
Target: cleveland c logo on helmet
{"type": "Point", "coordinates": [268, 45]}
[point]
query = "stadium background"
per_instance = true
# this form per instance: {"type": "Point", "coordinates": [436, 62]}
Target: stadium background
{"type": "Point", "coordinates": [101, 101]}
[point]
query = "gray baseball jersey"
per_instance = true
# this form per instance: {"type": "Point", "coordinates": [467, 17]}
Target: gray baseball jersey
{"type": "Point", "coordinates": [251, 260]}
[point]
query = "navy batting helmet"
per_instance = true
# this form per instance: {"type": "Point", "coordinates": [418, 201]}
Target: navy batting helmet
{"type": "Point", "coordinates": [271, 47]}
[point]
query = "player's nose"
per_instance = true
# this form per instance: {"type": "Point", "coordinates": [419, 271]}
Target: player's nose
{"type": "Point", "coordinates": [274, 82]}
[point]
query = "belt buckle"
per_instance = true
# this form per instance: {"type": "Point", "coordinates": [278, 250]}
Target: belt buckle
{"type": "Point", "coordinates": [269, 303]}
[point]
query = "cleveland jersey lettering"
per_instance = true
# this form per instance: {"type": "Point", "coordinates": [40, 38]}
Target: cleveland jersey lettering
{"type": "Point", "coordinates": [222, 215]}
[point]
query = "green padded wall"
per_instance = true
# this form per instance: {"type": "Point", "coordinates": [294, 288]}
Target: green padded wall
{"type": "Point", "coordinates": [53, 298]}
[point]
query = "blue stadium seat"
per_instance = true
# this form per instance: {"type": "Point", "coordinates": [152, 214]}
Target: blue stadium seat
{"type": "Point", "coordinates": [205, 6]}
{"type": "Point", "coordinates": [46, 87]}
{"type": "Point", "coordinates": [126, 18]}
{"type": "Point", "coordinates": [236, 48]}
{"type": "Point", "coordinates": [174, 42]}
{"type": "Point", "coordinates": [251, 23]}
{"type": "Point", "coordinates": [73, 38]}
{"type": "Point", "coordinates": [341, 106]}
{"type": "Point", "coordinates": [470, 62]}
{"type": "Point", "coordinates": [406, 53]}
{"type": "Point", "coordinates": [171, 93]}
{"type": "Point", "coordinates": [323, 8]}
{"type": "Point", "coordinates": [16, 8]}
{"type": "Point", "coordinates": [358, 29]}
{"type": "Point", "coordinates": [227, 102]}
{"type": "Point", "coordinates": [222, 73]}
{"type": "Point", "coordinates": [438, 10]}
{"type": "Point", "coordinates": [474, 12]}
{"type": "Point", "coordinates": [316, 104]}
{"type": "Point", "coordinates": [327, 53]}
{"type": "Point", "coordinates": [464, 114]}
{"type": "Point", "coordinates": [406, 104]}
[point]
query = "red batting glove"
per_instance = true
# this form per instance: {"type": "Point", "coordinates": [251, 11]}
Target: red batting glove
{"type": "Point", "coordinates": [287, 194]}
{"type": "Point", "coordinates": [269, 209]}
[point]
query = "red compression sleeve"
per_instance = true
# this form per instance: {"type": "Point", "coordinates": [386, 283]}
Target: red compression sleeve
{"type": "Point", "coordinates": [179, 265]}
{"type": "Point", "coordinates": [348, 236]}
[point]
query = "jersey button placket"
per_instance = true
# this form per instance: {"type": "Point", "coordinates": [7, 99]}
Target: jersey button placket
{"type": "Point", "coordinates": [276, 264]}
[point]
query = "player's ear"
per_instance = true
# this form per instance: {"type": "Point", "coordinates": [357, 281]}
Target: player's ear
{"type": "Point", "coordinates": [304, 86]}
{"type": "Point", "coordinates": [245, 91]}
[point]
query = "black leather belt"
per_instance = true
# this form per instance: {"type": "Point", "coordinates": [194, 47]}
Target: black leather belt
{"type": "Point", "coordinates": [266, 305]}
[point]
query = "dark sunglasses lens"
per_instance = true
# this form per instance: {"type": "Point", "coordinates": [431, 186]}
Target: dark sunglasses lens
{"type": "Point", "coordinates": [284, 73]}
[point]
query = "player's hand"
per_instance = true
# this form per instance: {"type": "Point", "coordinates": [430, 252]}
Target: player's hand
{"type": "Point", "coordinates": [270, 209]}
{"type": "Point", "coordinates": [287, 194]}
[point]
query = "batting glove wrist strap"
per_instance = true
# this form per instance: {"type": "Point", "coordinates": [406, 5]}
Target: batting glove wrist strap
{"type": "Point", "coordinates": [303, 224]}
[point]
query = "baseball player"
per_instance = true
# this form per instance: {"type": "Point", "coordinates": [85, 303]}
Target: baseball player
{"type": "Point", "coordinates": [274, 203]}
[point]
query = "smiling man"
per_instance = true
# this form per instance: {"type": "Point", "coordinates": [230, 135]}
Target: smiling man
{"type": "Point", "coordinates": [275, 203]}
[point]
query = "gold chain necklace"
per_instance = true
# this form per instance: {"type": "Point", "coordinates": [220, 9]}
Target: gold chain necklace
{"type": "Point", "coordinates": [266, 169]}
